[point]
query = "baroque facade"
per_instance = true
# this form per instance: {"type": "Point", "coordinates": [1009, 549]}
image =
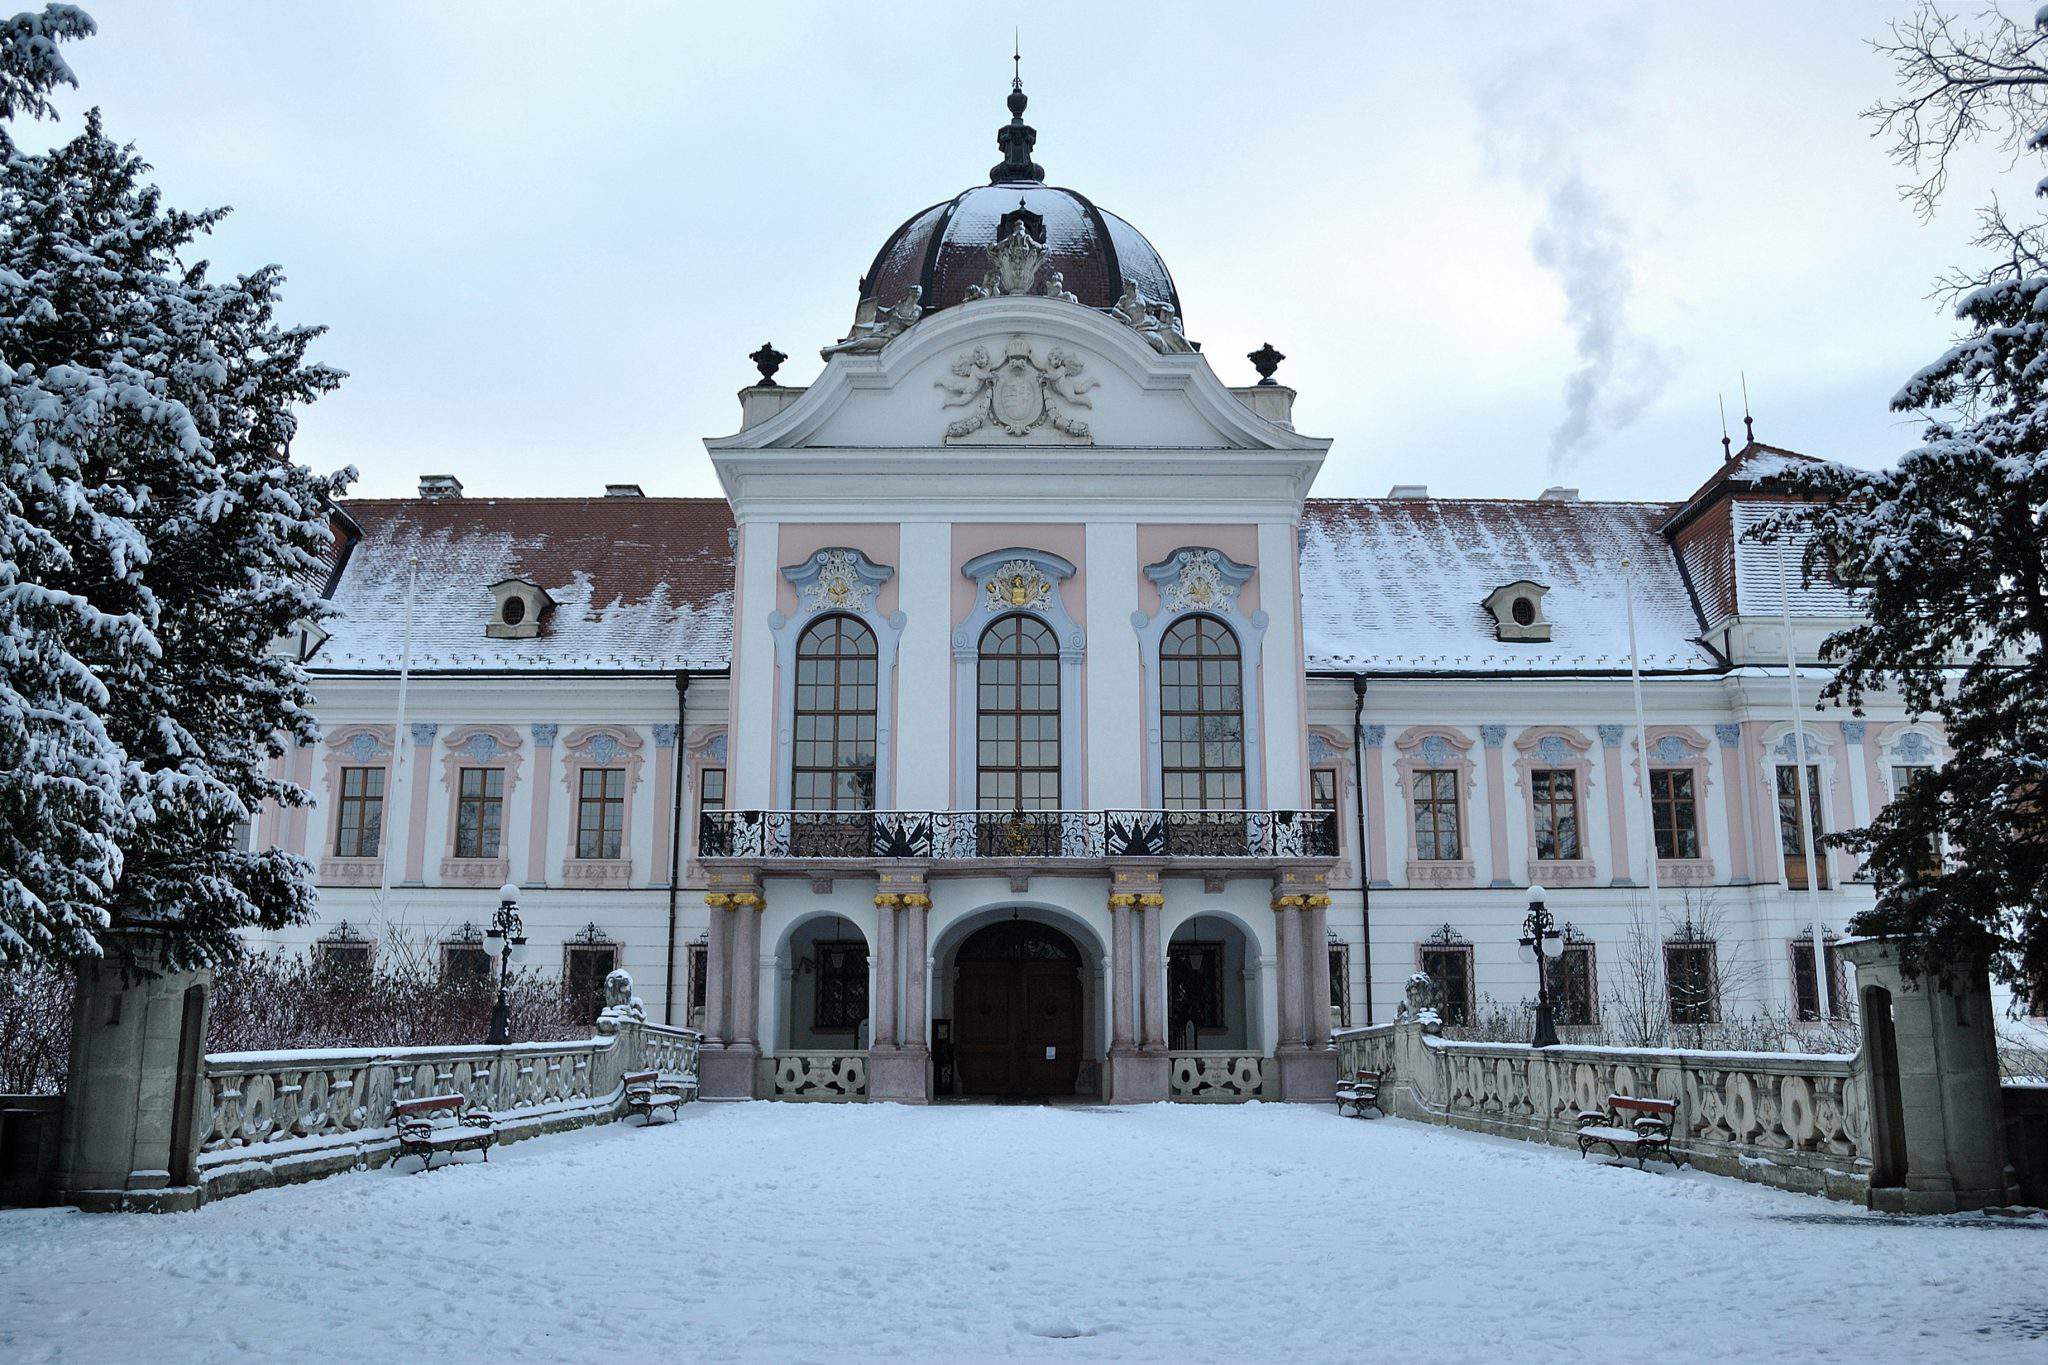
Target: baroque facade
{"type": "Point", "coordinates": [1018, 723]}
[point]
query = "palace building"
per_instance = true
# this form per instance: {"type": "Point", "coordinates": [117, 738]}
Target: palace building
{"type": "Point", "coordinates": [1019, 723]}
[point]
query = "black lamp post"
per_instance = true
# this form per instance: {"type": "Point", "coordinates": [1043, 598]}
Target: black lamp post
{"type": "Point", "coordinates": [1538, 927]}
{"type": "Point", "coordinates": [505, 925]}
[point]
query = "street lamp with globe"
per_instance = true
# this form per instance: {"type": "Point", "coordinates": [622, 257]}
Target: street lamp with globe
{"type": "Point", "coordinates": [505, 925]}
{"type": "Point", "coordinates": [1537, 929]}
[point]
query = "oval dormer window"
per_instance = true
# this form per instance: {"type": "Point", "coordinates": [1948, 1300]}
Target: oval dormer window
{"type": "Point", "coordinates": [515, 610]}
{"type": "Point", "coordinates": [1524, 612]}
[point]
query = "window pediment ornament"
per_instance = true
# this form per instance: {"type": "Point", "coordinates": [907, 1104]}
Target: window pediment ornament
{"type": "Point", "coordinates": [1198, 579]}
{"type": "Point", "coordinates": [1016, 585]}
{"type": "Point", "coordinates": [837, 579]}
{"type": "Point", "coordinates": [1018, 393]}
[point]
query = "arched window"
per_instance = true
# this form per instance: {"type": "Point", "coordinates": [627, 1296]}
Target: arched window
{"type": "Point", "coordinates": [834, 755]}
{"type": "Point", "coordinates": [1201, 716]}
{"type": "Point", "coordinates": [1017, 727]}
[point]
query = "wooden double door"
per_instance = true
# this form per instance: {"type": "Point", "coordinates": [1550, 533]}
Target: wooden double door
{"type": "Point", "coordinates": [1017, 1012]}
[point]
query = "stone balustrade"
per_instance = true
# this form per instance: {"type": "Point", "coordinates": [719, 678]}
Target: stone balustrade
{"type": "Point", "coordinates": [1215, 1077]}
{"type": "Point", "coordinates": [1794, 1121]}
{"type": "Point", "coordinates": [821, 1075]}
{"type": "Point", "coordinates": [274, 1118]}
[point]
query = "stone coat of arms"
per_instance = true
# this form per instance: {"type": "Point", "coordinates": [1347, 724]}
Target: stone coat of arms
{"type": "Point", "coordinates": [1018, 392]}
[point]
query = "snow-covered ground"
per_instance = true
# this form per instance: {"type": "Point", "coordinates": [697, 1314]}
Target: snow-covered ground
{"type": "Point", "coordinates": [815, 1232]}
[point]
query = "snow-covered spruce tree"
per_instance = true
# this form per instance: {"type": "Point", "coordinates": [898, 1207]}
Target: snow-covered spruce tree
{"type": "Point", "coordinates": [155, 537]}
{"type": "Point", "coordinates": [1950, 552]}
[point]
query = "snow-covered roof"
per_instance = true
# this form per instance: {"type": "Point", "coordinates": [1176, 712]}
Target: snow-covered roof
{"type": "Point", "coordinates": [1396, 585]}
{"type": "Point", "coordinates": [638, 583]}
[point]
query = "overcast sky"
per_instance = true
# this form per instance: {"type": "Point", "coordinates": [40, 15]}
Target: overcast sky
{"type": "Point", "coordinates": [545, 238]}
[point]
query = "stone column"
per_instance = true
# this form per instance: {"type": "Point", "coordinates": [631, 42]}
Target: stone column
{"type": "Point", "coordinates": [136, 1101]}
{"type": "Point", "coordinates": [899, 1064]}
{"type": "Point", "coordinates": [882, 1010]}
{"type": "Point", "coordinates": [1617, 808]}
{"type": "Point", "coordinates": [1137, 1070]}
{"type": "Point", "coordinates": [1304, 1061]}
{"type": "Point", "coordinates": [537, 828]}
{"type": "Point", "coordinates": [1935, 1121]}
{"type": "Point", "coordinates": [1124, 979]}
{"type": "Point", "coordinates": [1151, 908]}
{"type": "Point", "coordinates": [1315, 932]}
{"type": "Point", "coordinates": [733, 986]}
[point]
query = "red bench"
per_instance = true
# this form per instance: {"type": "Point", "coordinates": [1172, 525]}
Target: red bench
{"type": "Point", "coordinates": [647, 1092]}
{"type": "Point", "coordinates": [442, 1123]}
{"type": "Point", "coordinates": [1631, 1126]}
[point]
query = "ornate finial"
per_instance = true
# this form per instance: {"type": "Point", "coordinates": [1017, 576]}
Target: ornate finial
{"type": "Point", "coordinates": [1727, 453]}
{"type": "Point", "coordinates": [1265, 360]}
{"type": "Point", "coordinates": [1748, 424]}
{"type": "Point", "coordinates": [1017, 138]}
{"type": "Point", "coordinates": [767, 360]}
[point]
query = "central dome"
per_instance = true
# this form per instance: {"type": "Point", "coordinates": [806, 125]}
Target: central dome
{"type": "Point", "coordinates": [944, 250]}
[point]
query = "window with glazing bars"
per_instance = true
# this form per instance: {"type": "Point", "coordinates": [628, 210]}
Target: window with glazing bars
{"type": "Point", "coordinates": [1805, 993]}
{"type": "Point", "coordinates": [1674, 816]}
{"type": "Point", "coordinates": [1689, 979]}
{"type": "Point", "coordinates": [1201, 717]}
{"type": "Point", "coordinates": [1555, 793]}
{"type": "Point", "coordinates": [1903, 779]}
{"type": "Point", "coordinates": [601, 813]}
{"type": "Point", "coordinates": [1437, 836]}
{"type": "Point", "coordinates": [841, 1000]}
{"type": "Point", "coordinates": [834, 755]}
{"type": "Point", "coordinates": [359, 813]}
{"type": "Point", "coordinates": [1800, 851]}
{"type": "Point", "coordinates": [584, 968]}
{"type": "Point", "coordinates": [1571, 985]}
{"type": "Point", "coordinates": [1017, 725]}
{"type": "Point", "coordinates": [1450, 968]}
{"type": "Point", "coordinates": [479, 812]}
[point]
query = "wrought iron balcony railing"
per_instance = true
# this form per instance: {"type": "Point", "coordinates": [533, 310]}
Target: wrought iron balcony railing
{"type": "Point", "coordinates": [1009, 835]}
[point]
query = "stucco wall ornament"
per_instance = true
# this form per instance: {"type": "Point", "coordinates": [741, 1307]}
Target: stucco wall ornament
{"type": "Point", "coordinates": [1151, 319]}
{"type": "Point", "coordinates": [839, 585]}
{"type": "Point", "coordinates": [1018, 392]}
{"type": "Point", "coordinates": [1200, 585]}
{"type": "Point", "coordinates": [1014, 263]}
{"type": "Point", "coordinates": [869, 337]}
{"type": "Point", "coordinates": [1017, 584]}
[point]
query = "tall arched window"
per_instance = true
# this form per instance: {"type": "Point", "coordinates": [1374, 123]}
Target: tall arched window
{"type": "Point", "coordinates": [1017, 727]}
{"type": "Point", "coordinates": [1201, 716]}
{"type": "Point", "coordinates": [834, 756]}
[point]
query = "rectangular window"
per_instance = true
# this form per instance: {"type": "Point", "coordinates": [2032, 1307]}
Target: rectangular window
{"type": "Point", "coordinates": [584, 968]}
{"type": "Point", "coordinates": [711, 789]}
{"type": "Point", "coordinates": [841, 1002]}
{"type": "Point", "coordinates": [339, 959]}
{"type": "Point", "coordinates": [479, 812]}
{"type": "Point", "coordinates": [1689, 978]}
{"type": "Point", "coordinates": [601, 813]}
{"type": "Point", "coordinates": [1572, 999]}
{"type": "Point", "coordinates": [1322, 789]}
{"type": "Point", "coordinates": [465, 964]}
{"type": "Point", "coordinates": [1437, 836]}
{"type": "Point", "coordinates": [359, 813]}
{"type": "Point", "coordinates": [1450, 967]}
{"type": "Point", "coordinates": [1555, 792]}
{"type": "Point", "coordinates": [1804, 993]}
{"type": "Point", "coordinates": [1194, 992]}
{"type": "Point", "coordinates": [1791, 837]}
{"type": "Point", "coordinates": [1903, 780]}
{"type": "Point", "coordinates": [1674, 814]}
{"type": "Point", "coordinates": [1340, 985]}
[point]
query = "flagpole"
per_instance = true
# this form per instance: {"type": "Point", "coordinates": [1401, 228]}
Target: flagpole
{"type": "Point", "coordinates": [1635, 682]}
{"type": "Point", "coordinates": [412, 578]}
{"type": "Point", "coordinates": [1799, 781]}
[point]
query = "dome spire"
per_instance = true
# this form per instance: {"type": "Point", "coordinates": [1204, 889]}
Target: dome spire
{"type": "Point", "coordinates": [1017, 138]}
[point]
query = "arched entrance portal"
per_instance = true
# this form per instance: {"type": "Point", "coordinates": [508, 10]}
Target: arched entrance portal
{"type": "Point", "coordinates": [1017, 1010]}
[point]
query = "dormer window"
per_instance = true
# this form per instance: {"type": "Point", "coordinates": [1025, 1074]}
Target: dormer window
{"type": "Point", "coordinates": [1517, 611]}
{"type": "Point", "coordinates": [516, 609]}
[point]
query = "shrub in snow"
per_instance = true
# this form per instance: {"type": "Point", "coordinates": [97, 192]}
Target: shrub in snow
{"type": "Point", "coordinates": [155, 538]}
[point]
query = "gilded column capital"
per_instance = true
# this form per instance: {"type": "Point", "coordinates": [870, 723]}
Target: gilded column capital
{"type": "Point", "coordinates": [886, 899]}
{"type": "Point", "coordinates": [917, 900]}
{"type": "Point", "coordinates": [1117, 898]}
{"type": "Point", "coordinates": [1151, 898]}
{"type": "Point", "coordinates": [1316, 902]}
{"type": "Point", "coordinates": [717, 900]}
{"type": "Point", "coordinates": [1288, 902]}
{"type": "Point", "coordinates": [745, 899]}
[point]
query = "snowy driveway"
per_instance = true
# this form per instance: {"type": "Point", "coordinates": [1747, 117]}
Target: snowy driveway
{"type": "Point", "coordinates": [826, 1232]}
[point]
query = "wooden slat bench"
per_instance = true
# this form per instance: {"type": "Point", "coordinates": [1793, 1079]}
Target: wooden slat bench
{"type": "Point", "coordinates": [1359, 1090]}
{"type": "Point", "coordinates": [1630, 1126]}
{"type": "Point", "coordinates": [647, 1092]}
{"type": "Point", "coordinates": [442, 1123]}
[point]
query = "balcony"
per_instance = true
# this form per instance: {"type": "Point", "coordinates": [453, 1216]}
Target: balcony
{"type": "Point", "coordinates": [1205, 836]}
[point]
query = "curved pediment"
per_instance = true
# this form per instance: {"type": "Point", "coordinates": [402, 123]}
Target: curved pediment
{"type": "Point", "coordinates": [1010, 371]}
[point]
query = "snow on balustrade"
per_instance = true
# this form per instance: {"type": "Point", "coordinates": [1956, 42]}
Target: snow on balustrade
{"type": "Point", "coordinates": [275, 1117]}
{"type": "Point", "coordinates": [1216, 1076]}
{"type": "Point", "coordinates": [1797, 1121]}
